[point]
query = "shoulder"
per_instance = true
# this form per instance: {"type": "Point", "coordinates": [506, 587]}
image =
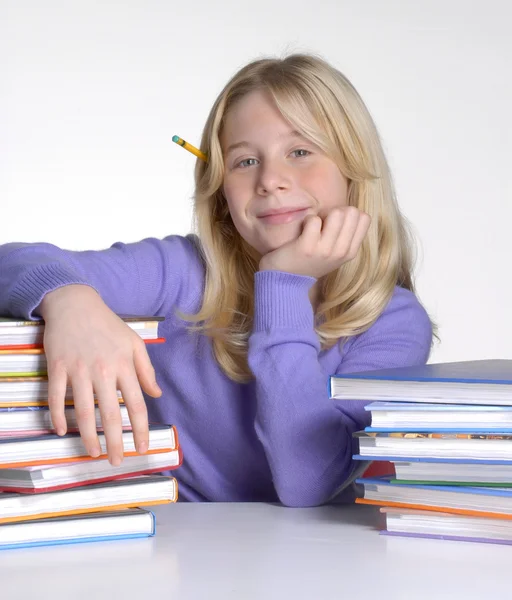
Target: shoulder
{"type": "Point", "coordinates": [404, 318]}
{"type": "Point", "coordinates": [177, 260]}
{"type": "Point", "coordinates": [186, 262]}
{"type": "Point", "coordinates": [405, 310]}
{"type": "Point", "coordinates": [402, 335]}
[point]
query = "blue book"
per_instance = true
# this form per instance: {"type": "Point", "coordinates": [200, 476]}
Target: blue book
{"type": "Point", "coordinates": [486, 382]}
{"type": "Point", "coordinates": [88, 527]}
{"type": "Point", "coordinates": [424, 417]}
{"type": "Point", "coordinates": [431, 459]}
{"type": "Point", "coordinates": [495, 445]}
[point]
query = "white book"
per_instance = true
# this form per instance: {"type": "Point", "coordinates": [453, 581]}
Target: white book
{"type": "Point", "coordinates": [403, 416]}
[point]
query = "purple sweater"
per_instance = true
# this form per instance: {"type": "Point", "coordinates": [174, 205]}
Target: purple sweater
{"type": "Point", "coordinates": [277, 438]}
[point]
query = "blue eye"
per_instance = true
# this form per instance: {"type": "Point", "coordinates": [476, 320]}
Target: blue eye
{"type": "Point", "coordinates": [247, 163]}
{"type": "Point", "coordinates": [301, 152]}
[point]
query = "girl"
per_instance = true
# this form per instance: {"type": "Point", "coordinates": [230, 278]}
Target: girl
{"type": "Point", "coordinates": [301, 269]}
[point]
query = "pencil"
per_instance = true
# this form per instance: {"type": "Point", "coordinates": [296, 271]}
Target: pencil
{"type": "Point", "coordinates": [190, 148]}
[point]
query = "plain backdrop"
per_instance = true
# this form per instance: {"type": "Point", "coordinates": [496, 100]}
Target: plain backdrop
{"type": "Point", "coordinates": [92, 93]}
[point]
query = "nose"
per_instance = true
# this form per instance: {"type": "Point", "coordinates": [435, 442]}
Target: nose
{"type": "Point", "coordinates": [273, 176]}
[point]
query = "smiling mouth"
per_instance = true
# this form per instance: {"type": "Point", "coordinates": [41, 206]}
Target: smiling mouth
{"type": "Point", "coordinates": [284, 216]}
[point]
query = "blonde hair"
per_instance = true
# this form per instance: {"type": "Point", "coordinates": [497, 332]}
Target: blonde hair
{"type": "Point", "coordinates": [322, 104]}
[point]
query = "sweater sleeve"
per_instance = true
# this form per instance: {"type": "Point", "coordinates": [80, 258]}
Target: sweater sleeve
{"type": "Point", "coordinates": [145, 278]}
{"type": "Point", "coordinates": [306, 436]}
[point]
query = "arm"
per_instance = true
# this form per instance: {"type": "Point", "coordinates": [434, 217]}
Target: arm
{"type": "Point", "coordinates": [145, 278]}
{"type": "Point", "coordinates": [86, 344]}
{"type": "Point", "coordinates": [306, 436]}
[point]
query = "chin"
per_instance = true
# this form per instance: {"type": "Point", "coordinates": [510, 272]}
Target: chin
{"type": "Point", "coordinates": [271, 246]}
{"type": "Point", "coordinates": [278, 238]}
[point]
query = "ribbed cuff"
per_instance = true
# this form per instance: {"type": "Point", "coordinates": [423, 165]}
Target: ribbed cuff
{"type": "Point", "coordinates": [36, 283]}
{"type": "Point", "coordinates": [282, 300]}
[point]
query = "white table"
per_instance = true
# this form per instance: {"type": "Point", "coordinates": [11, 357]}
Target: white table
{"type": "Point", "coordinates": [249, 551]}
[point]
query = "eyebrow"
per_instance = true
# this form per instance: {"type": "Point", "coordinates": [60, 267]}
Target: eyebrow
{"type": "Point", "coordinates": [244, 144]}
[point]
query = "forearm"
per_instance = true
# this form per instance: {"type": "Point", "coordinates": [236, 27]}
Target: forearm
{"type": "Point", "coordinates": [307, 440]}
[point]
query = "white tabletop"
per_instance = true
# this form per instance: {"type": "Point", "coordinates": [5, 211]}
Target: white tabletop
{"type": "Point", "coordinates": [249, 551]}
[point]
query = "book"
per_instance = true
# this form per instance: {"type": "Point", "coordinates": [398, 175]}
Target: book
{"type": "Point", "coordinates": [36, 420]}
{"type": "Point", "coordinates": [30, 391]}
{"type": "Point", "coordinates": [451, 472]}
{"type": "Point", "coordinates": [24, 363]}
{"type": "Point", "coordinates": [475, 501]}
{"type": "Point", "coordinates": [51, 448]}
{"type": "Point", "coordinates": [396, 445]}
{"type": "Point", "coordinates": [412, 416]}
{"type": "Point", "coordinates": [52, 477]}
{"type": "Point", "coordinates": [15, 332]}
{"type": "Point", "coordinates": [124, 524]}
{"type": "Point", "coordinates": [486, 382]}
{"type": "Point", "coordinates": [445, 526]}
{"type": "Point", "coordinates": [146, 490]}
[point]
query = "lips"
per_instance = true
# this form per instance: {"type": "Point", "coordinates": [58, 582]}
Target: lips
{"type": "Point", "coordinates": [282, 210]}
{"type": "Point", "coordinates": [284, 215]}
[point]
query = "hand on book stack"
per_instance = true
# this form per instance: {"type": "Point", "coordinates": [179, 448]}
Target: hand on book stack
{"type": "Point", "coordinates": [51, 490]}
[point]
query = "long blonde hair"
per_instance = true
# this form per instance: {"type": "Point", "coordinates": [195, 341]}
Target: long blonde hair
{"type": "Point", "coordinates": [322, 104]}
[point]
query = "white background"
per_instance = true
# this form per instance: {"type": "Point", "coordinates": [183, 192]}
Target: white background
{"type": "Point", "coordinates": [92, 93]}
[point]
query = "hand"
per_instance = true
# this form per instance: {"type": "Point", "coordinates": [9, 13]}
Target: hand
{"type": "Point", "coordinates": [322, 247]}
{"type": "Point", "coordinates": [89, 346]}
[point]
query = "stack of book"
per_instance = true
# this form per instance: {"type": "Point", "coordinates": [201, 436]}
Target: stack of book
{"type": "Point", "coordinates": [51, 490]}
{"type": "Point", "coordinates": [447, 430]}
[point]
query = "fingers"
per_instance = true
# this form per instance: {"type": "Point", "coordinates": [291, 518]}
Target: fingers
{"type": "Point", "coordinates": [336, 239]}
{"type": "Point", "coordinates": [57, 382]}
{"type": "Point", "coordinates": [134, 401]}
{"type": "Point", "coordinates": [145, 371]}
{"type": "Point", "coordinates": [108, 402]}
{"type": "Point", "coordinates": [332, 227]}
{"type": "Point", "coordinates": [310, 236]}
{"type": "Point", "coordinates": [84, 410]}
{"type": "Point", "coordinates": [363, 225]}
{"type": "Point", "coordinates": [354, 226]}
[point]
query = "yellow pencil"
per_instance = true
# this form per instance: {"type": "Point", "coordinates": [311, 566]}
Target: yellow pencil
{"type": "Point", "coordinates": [190, 148]}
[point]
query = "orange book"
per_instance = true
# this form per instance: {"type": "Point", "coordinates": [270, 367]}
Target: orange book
{"type": "Point", "coordinates": [51, 448]}
{"type": "Point", "coordinates": [147, 490]}
{"type": "Point", "coordinates": [440, 509]}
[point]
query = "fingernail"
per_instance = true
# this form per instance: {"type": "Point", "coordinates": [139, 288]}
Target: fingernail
{"type": "Point", "coordinates": [115, 461]}
{"type": "Point", "coordinates": [95, 452]}
{"type": "Point", "coordinates": [143, 447]}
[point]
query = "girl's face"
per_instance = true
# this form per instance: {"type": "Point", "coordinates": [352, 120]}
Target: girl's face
{"type": "Point", "coordinates": [274, 176]}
